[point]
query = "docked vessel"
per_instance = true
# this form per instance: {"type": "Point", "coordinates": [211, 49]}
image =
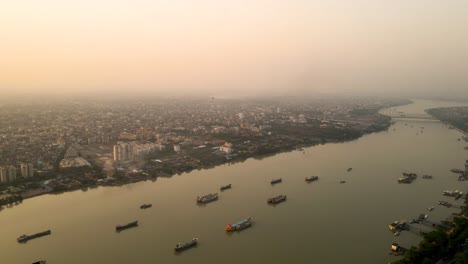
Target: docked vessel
{"type": "Point", "coordinates": [398, 226]}
{"type": "Point", "coordinates": [456, 171]}
{"type": "Point", "coordinates": [129, 225]}
{"type": "Point", "coordinates": [311, 178]}
{"type": "Point", "coordinates": [455, 193]}
{"type": "Point", "coordinates": [274, 181]}
{"type": "Point", "coordinates": [407, 177]}
{"type": "Point", "coordinates": [184, 246]}
{"type": "Point", "coordinates": [25, 238]}
{"type": "Point", "coordinates": [225, 187]}
{"type": "Point", "coordinates": [276, 200]}
{"type": "Point", "coordinates": [239, 225]}
{"type": "Point", "coordinates": [207, 198]}
{"type": "Point", "coordinates": [444, 203]}
{"type": "Point", "coordinates": [145, 206]}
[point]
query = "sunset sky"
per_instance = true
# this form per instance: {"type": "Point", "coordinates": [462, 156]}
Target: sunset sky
{"type": "Point", "coordinates": [234, 47]}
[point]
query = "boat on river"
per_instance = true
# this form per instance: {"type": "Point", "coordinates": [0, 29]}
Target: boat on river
{"type": "Point", "coordinates": [187, 245]}
{"type": "Point", "coordinates": [145, 206]}
{"type": "Point", "coordinates": [311, 178]}
{"type": "Point", "coordinates": [276, 200]}
{"type": "Point", "coordinates": [275, 181]}
{"type": "Point", "coordinates": [25, 238]}
{"type": "Point", "coordinates": [207, 198]}
{"type": "Point", "coordinates": [126, 226]}
{"type": "Point", "coordinates": [225, 187]}
{"type": "Point", "coordinates": [243, 224]}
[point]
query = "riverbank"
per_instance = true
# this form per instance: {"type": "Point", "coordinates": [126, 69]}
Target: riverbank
{"type": "Point", "coordinates": [444, 245]}
{"type": "Point", "coordinates": [168, 164]}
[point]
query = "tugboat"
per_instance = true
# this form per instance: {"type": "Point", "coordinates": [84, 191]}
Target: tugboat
{"type": "Point", "coordinates": [207, 198]}
{"type": "Point", "coordinates": [276, 200]}
{"type": "Point", "coordinates": [239, 225]}
{"type": "Point", "coordinates": [225, 187]}
{"type": "Point", "coordinates": [145, 206]}
{"type": "Point", "coordinates": [275, 181]}
{"type": "Point", "coordinates": [129, 225]}
{"type": "Point", "coordinates": [311, 178]}
{"type": "Point", "coordinates": [187, 245]}
{"type": "Point", "coordinates": [25, 238]}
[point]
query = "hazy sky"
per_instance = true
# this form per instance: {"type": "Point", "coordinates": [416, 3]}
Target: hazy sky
{"type": "Point", "coordinates": [234, 46]}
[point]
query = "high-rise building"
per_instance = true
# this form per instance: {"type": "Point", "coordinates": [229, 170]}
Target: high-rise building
{"type": "Point", "coordinates": [11, 173]}
{"type": "Point", "coordinates": [3, 174]}
{"type": "Point", "coordinates": [116, 152]}
{"type": "Point", "coordinates": [123, 151]}
{"type": "Point", "coordinates": [27, 170]}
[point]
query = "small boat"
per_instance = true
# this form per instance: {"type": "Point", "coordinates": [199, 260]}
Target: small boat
{"type": "Point", "coordinates": [129, 225]}
{"type": "Point", "coordinates": [396, 233]}
{"type": "Point", "coordinates": [276, 200]}
{"type": "Point", "coordinates": [311, 178]}
{"type": "Point", "coordinates": [349, 169]}
{"type": "Point", "coordinates": [239, 225]}
{"type": "Point", "coordinates": [40, 262]}
{"type": "Point", "coordinates": [187, 245]}
{"type": "Point", "coordinates": [207, 198]}
{"type": "Point", "coordinates": [342, 181]}
{"type": "Point", "coordinates": [430, 208]}
{"type": "Point", "coordinates": [145, 206]}
{"type": "Point", "coordinates": [274, 181]}
{"type": "Point", "coordinates": [25, 238]}
{"type": "Point", "coordinates": [427, 177]}
{"type": "Point", "coordinates": [225, 187]}
{"type": "Point", "coordinates": [456, 171]}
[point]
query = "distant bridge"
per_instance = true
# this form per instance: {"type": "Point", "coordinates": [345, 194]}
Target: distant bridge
{"type": "Point", "coordinates": [396, 115]}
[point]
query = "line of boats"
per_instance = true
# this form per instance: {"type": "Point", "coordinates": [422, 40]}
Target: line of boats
{"type": "Point", "coordinates": [241, 225]}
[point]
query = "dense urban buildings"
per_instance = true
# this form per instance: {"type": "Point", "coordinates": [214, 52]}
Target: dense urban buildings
{"type": "Point", "coordinates": [85, 142]}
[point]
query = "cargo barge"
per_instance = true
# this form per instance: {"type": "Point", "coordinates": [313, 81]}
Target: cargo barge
{"type": "Point", "coordinates": [25, 238]}
{"type": "Point", "coordinates": [129, 225]}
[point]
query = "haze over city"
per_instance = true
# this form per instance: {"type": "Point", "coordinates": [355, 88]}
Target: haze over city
{"type": "Point", "coordinates": [247, 131]}
{"type": "Point", "coordinates": [399, 48]}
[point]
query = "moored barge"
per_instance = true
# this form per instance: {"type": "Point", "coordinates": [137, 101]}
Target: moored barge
{"type": "Point", "coordinates": [129, 225]}
{"type": "Point", "coordinates": [225, 187]}
{"type": "Point", "coordinates": [276, 200]}
{"type": "Point", "coordinates": [207, 198]}
{"type": "Point", "coordinates": [187, 245]}
{"type": "Point", "coordinates": [275, 181]}
{"type": "Point", "coordinates": [239, 225]}
{"type": "Point", "coordinates": [311, 178]}
{"type": "Point", "coordinates": [25, 238]}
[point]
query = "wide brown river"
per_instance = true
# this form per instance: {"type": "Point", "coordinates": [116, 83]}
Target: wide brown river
{"type": "Point", "coordinates": [321, 222]}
